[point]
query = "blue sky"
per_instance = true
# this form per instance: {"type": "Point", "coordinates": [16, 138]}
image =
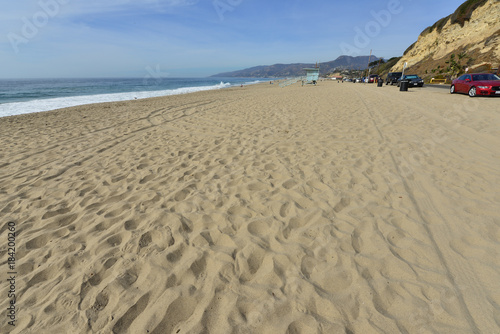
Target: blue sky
{"type": "Point", "coordinates": [135, 38]}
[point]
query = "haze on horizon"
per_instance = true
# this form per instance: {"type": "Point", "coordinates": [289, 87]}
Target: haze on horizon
{"type": "Point", "coordinates": [193, 38]}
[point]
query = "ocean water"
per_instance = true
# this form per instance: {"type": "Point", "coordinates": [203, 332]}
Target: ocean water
{"type": "Point", "coordinates": [23, 96]}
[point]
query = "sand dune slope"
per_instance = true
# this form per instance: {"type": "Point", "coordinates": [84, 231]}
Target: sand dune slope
{"type": "Point", "coordinates": [340, 208]}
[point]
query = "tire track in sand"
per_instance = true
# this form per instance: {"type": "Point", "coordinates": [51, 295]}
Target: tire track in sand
{"type": "Point", "coordinates": [154, 118]}
{"type": "Point", "coordinates": [458, 271]}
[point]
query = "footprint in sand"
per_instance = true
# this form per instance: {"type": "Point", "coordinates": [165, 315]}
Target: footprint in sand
{"type": "Point", "coordinates": [50, 214]}
{"type": "Point", "coordinates": [257, 186]}
{"type": "Point", "coordinates": [344, 202]}
{"type": "Point", "coordinates": [175, 255]}
{"type": "Point", "coordinates": [124, 322]}
{"type": "Point", "coordinates": [103, 226]}
{"type": "Point", "coordinates": [306, 325]}
{"type": "Point", "coordinates": [127, 279]}
{"type": "Point", "coordinates": [147, 178]}
{"type": "Point", "coordinates": [42, 276]}
{"type": "Point", "coordinates": [289, 184]}
{"type": "Point", "coordinates": [114, 240]}
{"type": "Point", "coordinates": [285, 209]}
{"type": "Point", "coordinates": [331, 279]}
{"type": "Point", "coordinates": [130, 225]}
{"type": "Point", "coordinates": [100, 303]}
{"type": "Point", "coordinates": [145, 240]}
{"type": "Point", "coordinates": [37, 242]}
{"type": "Point", "coordinates": [64, 220]}
{"type": "Point", "coordinates": [199, 266]}
{"type": "Point", "coordinates": [258, 228]}
{"type": "Point", "coordinates": [180, 310]}
{"type": "Point", "coordinates": [255, 259]}
{"type": "Point", "coordinates": [270, 167]}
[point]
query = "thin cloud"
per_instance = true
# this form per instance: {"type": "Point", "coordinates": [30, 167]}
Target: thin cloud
{"type": "Point", "coordinates": [94, 6]}
{"type": "Point", "coordinates": [84, 37]}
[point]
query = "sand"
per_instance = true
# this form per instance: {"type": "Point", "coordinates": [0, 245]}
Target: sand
{"type": "Point", "coordinates": [337, 208]}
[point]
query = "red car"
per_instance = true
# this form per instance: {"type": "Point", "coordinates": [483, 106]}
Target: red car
{"type": "Point", "coordinates": [373, 78]}
{"type": "Point", "coordinates": [480, 84]}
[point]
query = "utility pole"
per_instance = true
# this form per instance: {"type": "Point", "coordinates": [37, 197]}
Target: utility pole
{"type": "Point", "coordinates": [369, 58]}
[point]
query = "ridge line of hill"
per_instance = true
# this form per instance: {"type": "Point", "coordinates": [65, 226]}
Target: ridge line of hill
{"type": "Point", "coordinates": [297, 69]}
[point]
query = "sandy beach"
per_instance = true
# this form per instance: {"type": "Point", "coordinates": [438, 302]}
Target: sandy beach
{"type": "Point", "coordinates": [336, 208]}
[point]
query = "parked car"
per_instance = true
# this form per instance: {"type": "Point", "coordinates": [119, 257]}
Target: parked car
{"type": "Point", "coordinates": [373, 78]}
{"type": "Point", "coordinates": [483, 84]}
{"type": "Point", "coordinates": [413, 80]}
{"type": "Point", "coordinates": [393, 77]}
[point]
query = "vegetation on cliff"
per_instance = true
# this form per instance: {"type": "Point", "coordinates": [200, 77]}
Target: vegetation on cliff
{"type": "Point", "coordinates": [449, 47]}
{"type": "Point", "coordinates": [460, 16]}
{"type": "Point", "coordinates": [386, 67]}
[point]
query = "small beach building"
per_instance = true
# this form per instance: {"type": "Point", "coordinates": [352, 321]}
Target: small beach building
{"type": "Point", "coordinates": [312, 75]}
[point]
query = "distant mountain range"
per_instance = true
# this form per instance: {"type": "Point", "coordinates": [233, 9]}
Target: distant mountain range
{"type": "Point", "coordinates": [290, 70]}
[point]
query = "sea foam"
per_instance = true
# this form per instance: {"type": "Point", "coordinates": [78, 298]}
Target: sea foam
{"type": "Point", "coordinates": [18, 108]}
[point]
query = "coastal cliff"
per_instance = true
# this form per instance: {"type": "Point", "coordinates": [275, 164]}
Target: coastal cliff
{"type": "Point", "coordinates": [470, 37]}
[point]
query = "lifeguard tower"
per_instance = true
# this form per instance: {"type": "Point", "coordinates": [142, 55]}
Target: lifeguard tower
{"type": "Point", "coordinates": [312, 75]}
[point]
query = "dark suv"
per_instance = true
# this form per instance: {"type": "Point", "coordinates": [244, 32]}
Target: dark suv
{"type": "Point", "coordinates": [393, 77]}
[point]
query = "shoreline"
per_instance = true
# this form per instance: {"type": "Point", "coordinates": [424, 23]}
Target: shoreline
{"type": "Point", "coordinates": [54, 103]}
{"type": "Point", "coordinates": [328, 208]}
